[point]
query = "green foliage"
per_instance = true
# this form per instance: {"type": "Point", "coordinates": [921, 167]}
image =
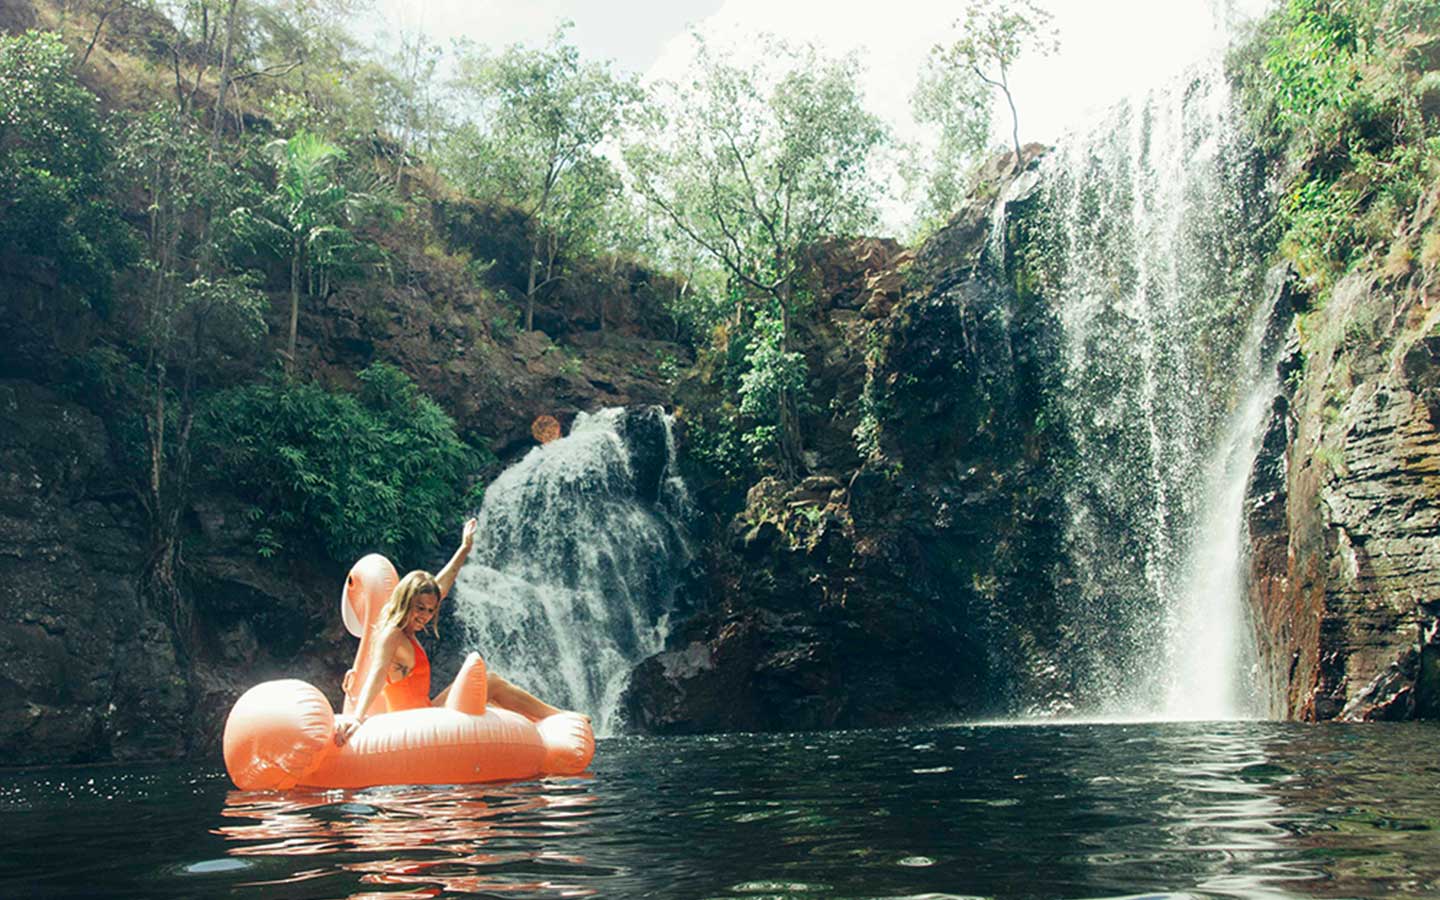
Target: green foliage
{"type": "Point", "coordinates": [310, 204]}
{"type": "Point", "coordinates": [313, 76]}
{"type": "Point", "coordinates": [378, 470]}
{"type": "Point", "coordinates": [771, 373]}
{"type": "Point", "coordinates": [404, 91]}
{"type": "Point", "coordinates": [166, 157]}
{"type": "Point", "coordinates": [958, 106]}
{"type": "Point", "coordinates": [715, 442]}
{"type": "Point", "coordinates": [571, 365]}
{"type": "Point", "coordinates": [1327, 82]}
{"type": "Point", "coordinates": [538, 117]}
{"type": "Point", "coordinates": [867, 432]}
{"type": "Point", "coordinates": [310, 216]}
{"type": "Point", "coordinates": [1331, 459]}
{"type": "Point", "coordinates": [668, 368]}
{"type": "Point", "coordinates": [754, 166]}
{"type": "Point", "coordinates": [960, 80]}
{"type": "Point", "coordinates": [54, 158]}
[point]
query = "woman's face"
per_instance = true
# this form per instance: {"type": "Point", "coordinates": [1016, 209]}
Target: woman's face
{"type": "Point", "coordinates": [423, 610]}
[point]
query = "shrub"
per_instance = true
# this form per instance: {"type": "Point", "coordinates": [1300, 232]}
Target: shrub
{"type": "Point", "coordinates": [1327, 84]}
{"type": "Point", "coordinates": [54, 154]}
{"type": "Point", "coordinates": [381, 470]}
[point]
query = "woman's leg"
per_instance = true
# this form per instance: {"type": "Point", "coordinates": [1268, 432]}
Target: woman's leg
{"type": "Point", "coordinates": [504, 694]}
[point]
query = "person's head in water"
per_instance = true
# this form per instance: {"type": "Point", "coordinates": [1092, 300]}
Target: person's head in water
{"type": "Point", "coordinates": [413, 604]}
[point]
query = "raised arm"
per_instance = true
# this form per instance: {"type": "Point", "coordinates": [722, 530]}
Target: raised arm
{"type": "Point", "coordinates": [381, 661]}
{"type": "Point", "coordinates": [446, 576]}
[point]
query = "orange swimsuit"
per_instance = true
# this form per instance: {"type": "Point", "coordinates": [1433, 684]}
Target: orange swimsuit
{"type": "Point", "coordinates": [412, 691]}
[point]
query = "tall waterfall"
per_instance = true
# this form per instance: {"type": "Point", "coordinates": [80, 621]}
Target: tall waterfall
{"type": "Point", "coordinates": [575, 565]}
{"type": "Point", "coordinates": [1154, 255]}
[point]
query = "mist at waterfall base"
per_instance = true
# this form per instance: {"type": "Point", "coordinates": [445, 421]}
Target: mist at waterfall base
{"type": "Point", "coordinates": [1152, 250]}
{"type": "Point", "coordinates": [576, 559]}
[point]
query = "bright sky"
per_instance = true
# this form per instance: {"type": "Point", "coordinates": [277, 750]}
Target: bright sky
{"type": "Point", "coordinates": [1108, 48]}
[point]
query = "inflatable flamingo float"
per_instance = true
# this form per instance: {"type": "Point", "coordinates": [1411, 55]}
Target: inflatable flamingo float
{"type": "Point", "coordinates": [281, 734]}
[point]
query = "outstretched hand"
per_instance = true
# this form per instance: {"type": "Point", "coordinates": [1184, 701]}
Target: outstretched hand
{"type": "Point", "coordinates": [344, 727]}
{"type": "Point", "coordinates": [467, 536]}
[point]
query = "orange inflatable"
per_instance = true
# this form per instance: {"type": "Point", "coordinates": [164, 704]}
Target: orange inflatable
{"type": "Point", "coordinates": [281, 733]}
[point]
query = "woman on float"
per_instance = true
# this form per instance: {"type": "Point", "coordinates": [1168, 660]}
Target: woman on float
{"type": "Point", "coordinates": [401, 670]}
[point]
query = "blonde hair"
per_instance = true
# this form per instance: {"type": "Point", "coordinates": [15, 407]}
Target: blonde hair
{"type": "Point", "coordinates": [396, 611]}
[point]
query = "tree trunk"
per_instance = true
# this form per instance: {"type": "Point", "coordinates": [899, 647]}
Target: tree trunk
{"type": "Point", "coordinates": [530, 287]}
{"type": "Point", "coordinates": [1014, 117]}
{"type": "Point", "coordinates": [791, 446]}
{"type": "Point", "coordinates": [225, 61]}
{"type": "Point", "coordinates": [94, 37]}
{"type": "Point", "coordinates": [294, 306]}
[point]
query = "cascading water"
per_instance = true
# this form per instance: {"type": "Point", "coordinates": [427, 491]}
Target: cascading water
{"type": "Point", "coordinates": [579, 549]}
{"type": "Point", "coordinates": [1153, 254]}
{"type": "Point", "coordinates": [1211, 644]}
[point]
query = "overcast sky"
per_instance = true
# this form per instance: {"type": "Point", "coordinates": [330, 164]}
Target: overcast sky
{"type": "Point", "coordinates": [1109, 48]}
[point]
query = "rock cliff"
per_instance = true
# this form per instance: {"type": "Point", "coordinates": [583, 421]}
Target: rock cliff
{"type": "Point", "coordinates": [900, 581]}
{"type": "Point", "coordinates": [1344, 522]}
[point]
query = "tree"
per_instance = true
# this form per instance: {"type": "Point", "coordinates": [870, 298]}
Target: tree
{"type": "Point", "coordinates": [540, 117]}
{"type": "Point", "coordinates": [958, 104]}
{"type": "Point", "coordinates": [996, 33]}
{"type": "Point", "coordinates": [102, 10]}
{"type": "Point", "coordinates": [754, 166]}
{"type": "Point", "coordinates": [189, 311]}
{"type": "Point", "coordinates": [414, 114]}
{"type": "Point", "coordinates": [297, 45]}
{"type": "Point", "coordinates": [307, 218]}
{"type": "Point", "coordinates": [54, 160]}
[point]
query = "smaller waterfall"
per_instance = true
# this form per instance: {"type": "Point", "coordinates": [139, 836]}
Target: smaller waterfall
{"type": "Point", "coordinates": [579, 549]}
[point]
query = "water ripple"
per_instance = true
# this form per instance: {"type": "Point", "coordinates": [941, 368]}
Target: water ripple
{"type": "Point", "coordinates": [1102, 811]}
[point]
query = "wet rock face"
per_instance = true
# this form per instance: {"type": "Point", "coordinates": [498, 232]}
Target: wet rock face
{"type": "Point", "coordinates": [907, 586]}
{"type": "Point", "coordinates": [1345, 524]}
{"type": "Point", "coordinates": [643, 431]}
{"type": "Point", "coordinates": [761, 672]}
{"type": "Point", "coordinates": [86, 672]}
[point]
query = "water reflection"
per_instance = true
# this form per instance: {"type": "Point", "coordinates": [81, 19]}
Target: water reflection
{"type": "Point", "coordinates": [1072, 810]}
{"type": "Point", "coordinates": [1362, 806]}
{"type": "Point", "coordinates": [1226, 816]}
{"type": "Point", "coordinates": [422, 837]}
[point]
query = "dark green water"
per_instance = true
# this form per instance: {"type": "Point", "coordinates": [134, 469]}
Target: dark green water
{"type": "Point", "coordinates": [1171, 810]}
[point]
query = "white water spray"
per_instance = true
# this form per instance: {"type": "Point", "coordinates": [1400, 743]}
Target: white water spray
{"type": "Point", "coordinates": [1159, 286]}
{"type": "Point", "coordinates": [579, 548]}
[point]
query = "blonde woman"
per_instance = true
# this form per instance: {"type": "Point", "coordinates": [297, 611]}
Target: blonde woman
{"type": "Point", "coordinates": [401, 670]}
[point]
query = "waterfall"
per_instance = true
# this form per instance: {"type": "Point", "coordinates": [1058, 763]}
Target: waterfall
{"type": "Point", "coordinates": [575, 564]}
{"type": "Point", "coordinates": [1210, 642]}
{"type": "Point", "coordinates": [1153, 256]}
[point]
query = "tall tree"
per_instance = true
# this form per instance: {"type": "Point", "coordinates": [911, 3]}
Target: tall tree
{"type": "Point", "coordinates": [957, 105]}
{"type": "Point", "coordinates": [227, 58]}
{"type": "Point", "coordinates": [55, 160]}
{"type": "Point", "coordinates": [308, 218]}
{"type": "Point", "coordinates": [754, 165]}
{"type": "Point", "coordinates": [189, 311]}
{"type": "Point", "coordinates": [540, 116]}
{"type": "Point", "coordinates": [994, 35]}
